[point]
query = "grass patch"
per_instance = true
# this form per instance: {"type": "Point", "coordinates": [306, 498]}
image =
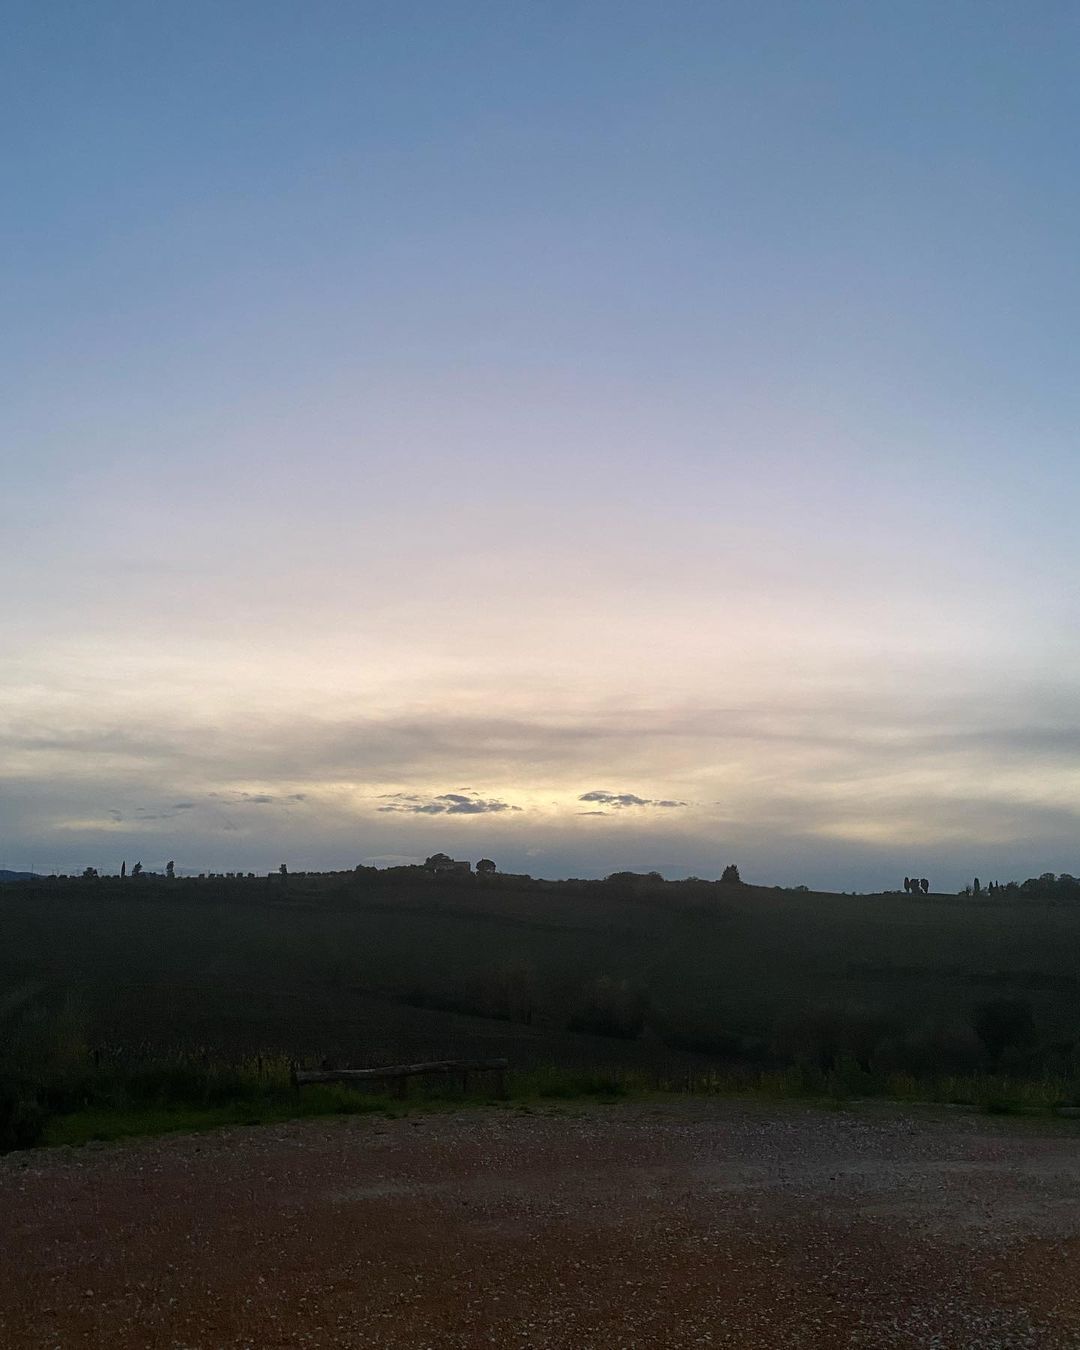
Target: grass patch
{"type": "Point", "coordinates": [101, 1122]}
{"type": "Point", "coordinates": [552, 1083]}
{"type": "Point", "coordinates": [79, 1100]}
{"type": "Point", "coordinates": [95, 1124]}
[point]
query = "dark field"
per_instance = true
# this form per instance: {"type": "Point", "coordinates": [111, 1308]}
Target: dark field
{"type": "Point", "coordinates": [375, 966]}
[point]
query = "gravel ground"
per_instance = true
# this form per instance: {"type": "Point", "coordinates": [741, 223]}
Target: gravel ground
{"type": "Point", "coordinates": [701, 1223]}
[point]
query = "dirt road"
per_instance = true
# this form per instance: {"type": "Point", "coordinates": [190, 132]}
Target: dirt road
{"type": "Point", "coordinates": [694, 1224]}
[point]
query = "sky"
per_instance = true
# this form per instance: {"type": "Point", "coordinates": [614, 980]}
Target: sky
{"type": "Point", "coordinates": [591, 435]}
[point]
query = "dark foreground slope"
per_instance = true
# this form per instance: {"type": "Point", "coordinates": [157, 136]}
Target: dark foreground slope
{"type": "Point", "coordinates": [386, 964]}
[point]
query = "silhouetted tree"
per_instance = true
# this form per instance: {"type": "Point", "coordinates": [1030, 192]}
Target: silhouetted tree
{"type": "Point", "coordinates": [137, 870]}
{"type": "Point", "coordinates": [730, 874]}
{"type": "Point", "coordinates": [123, 869]}
{"type": "Point", "coordinates": [907, 885]}
{"type": "Point", "coordinates": [976, 888]}
{"type": "Point", "coordinates": [924, 886]}
{"type": "Point", "coordinates": [283, 870]}
{"type": "Point", "coordinates": [90, 872]}
{"type": "Point", "coordinates": [485, 866]}
{"type": "Point", "coordinates": [170, 869]}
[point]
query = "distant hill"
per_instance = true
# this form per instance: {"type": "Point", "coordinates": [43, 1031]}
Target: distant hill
{"type": "Point", "coordinates": [16, 876]}
{"type": "Point", "coordinates": [403, 965]}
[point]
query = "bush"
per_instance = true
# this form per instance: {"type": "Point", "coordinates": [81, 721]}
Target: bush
{"type": "Point", "coordinates": [820, 1037]}
{"type": "Point", "coordinates": [554, 1083]}
{"type": "Point", "coordinates": [22, 1118]}
{"type": "Point", "coordinates": [44, 1066]}
{"type": "Point", "coordinates": [931, 1050]}
{"type": "Point", "coordinates": [1005, 1023]}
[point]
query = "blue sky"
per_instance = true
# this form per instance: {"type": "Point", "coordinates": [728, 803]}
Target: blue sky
{"type": "Point", "coordinates": [541, 399]}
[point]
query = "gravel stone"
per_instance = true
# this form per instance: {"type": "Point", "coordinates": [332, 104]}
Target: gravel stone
{"type": "Point", "coordinates": [697, 1223]}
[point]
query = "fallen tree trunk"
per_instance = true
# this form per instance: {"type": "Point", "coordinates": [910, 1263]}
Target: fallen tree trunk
{"type": "Point", "coordinates": [401, 1072]}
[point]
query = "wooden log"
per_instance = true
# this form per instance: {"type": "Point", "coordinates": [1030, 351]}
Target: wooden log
{"type": "Point", "coordinates": [400, 1071]}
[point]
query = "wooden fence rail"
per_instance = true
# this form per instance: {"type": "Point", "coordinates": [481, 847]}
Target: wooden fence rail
{"type": "Point", "coordinates": [399, 1074]}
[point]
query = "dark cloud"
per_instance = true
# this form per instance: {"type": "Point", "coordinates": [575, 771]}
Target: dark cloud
{"type": "Point", "coordinates": [1040, 725]}
{"type": "Point", "coordinates": [816, 782]}
{"type": "Point", "coordinates": [459, 805]}
{"type": "Point", "coordinates": [150, 813]}
{"type": "Point", "coordinates": [619, 800]}
{"type": "Point", "coordinates": [446, 803]}
{"type": "Point", "coordinates": [268, 798]}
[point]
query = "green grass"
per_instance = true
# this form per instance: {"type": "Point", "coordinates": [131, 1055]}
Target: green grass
{"type": "Point", "coordinates": [552, 1083]}
{"type": "Point", "coordinates": [99, 1124]}
{"type": "Point", "coordinates": [990, 1094]}
{"type": "Point", "coordinates": [102, 1122]}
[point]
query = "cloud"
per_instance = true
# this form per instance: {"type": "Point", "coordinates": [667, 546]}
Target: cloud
{"type": "Point", "coordinates": [446, 803]}
{"type": "Point", "coordinates": [267, 798]}
{"type": "Point", "coordinates": [457, 804]}
{"type": "Point", "coordinates": [833, 780]}
{"type": "Point", "coordinates": [620, 800]}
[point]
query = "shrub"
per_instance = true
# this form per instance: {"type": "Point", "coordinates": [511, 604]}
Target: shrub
{"type": "Point", "coordinates": [820, 1036]}
{"type": "Point", "coordinates": [1005, 1023]}
{"type": "Point", "coordinates": [931, 1050]}
{"type": "Point", "coordinates": [22, 1117]}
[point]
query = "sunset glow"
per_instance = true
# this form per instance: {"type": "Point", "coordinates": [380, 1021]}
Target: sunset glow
{"type": "Point", "coordinates": [518, 410]}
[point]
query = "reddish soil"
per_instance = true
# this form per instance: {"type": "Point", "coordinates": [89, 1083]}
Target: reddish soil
{"type": "Point", "coordinates": [694, 1224]}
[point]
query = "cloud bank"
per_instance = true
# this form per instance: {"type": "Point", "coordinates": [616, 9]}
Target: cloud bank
{"type": "Point", "coordinates": [620, 800]}
{"type": "Point", "coordinates": [447, 803]}
{"type": "Point", "coordinates": [830, 787]}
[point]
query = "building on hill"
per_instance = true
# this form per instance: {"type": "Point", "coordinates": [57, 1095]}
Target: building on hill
{"type": "Point", "coordinates": [485, 867]}
{"type": "Point", "coordinates": [442, 862]}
